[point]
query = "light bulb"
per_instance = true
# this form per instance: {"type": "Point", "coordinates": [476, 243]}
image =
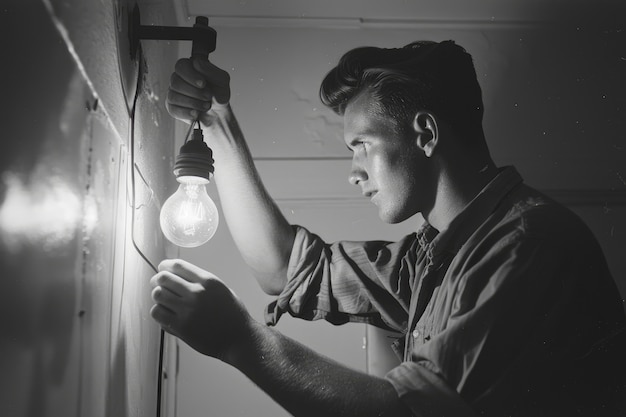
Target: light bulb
{"type": "Point", "coordinates": [189, 218]}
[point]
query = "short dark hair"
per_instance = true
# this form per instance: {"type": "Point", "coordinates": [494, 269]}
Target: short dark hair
{"type": "Point", "coordinates": [423, 75]}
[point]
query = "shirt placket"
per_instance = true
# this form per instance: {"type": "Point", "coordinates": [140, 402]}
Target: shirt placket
{"type": "Point", "coordinates": [421, 321]}
{"type": "Point", "coordinates": [419, 300]}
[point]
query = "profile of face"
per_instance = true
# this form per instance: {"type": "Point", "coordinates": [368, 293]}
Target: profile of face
{"type": "Point", "coordinates": [388, 165]}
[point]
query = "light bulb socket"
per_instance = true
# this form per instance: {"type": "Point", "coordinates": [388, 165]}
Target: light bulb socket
{"type": "Point", "coordinates": [194, 158]}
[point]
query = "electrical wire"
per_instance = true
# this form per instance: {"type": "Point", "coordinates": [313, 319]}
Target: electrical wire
{"type": "Point", "coordinates": [139, 251]}
{"type": "Point", "coordinates": [131, 135]}
{"type": "Point", "coordinates": [190, 129]}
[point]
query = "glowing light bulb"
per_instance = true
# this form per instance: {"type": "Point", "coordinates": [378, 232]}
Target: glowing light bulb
{"type": "Point", "coordinates": [189, 218]}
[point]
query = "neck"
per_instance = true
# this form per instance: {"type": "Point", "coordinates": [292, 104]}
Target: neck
{"type": "Point", "coordinates": [457, 185]}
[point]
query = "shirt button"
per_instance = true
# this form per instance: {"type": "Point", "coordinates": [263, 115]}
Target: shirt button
{"type": "Point", "coordinates": [416, 333]}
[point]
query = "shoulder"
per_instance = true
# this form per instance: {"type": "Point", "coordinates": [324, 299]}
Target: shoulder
{"type": "Point", "coordinates": [529, 215]}
{"type": "Point", "coordinates": [537, 215]}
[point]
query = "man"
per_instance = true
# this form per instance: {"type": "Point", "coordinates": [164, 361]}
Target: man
{"type": "Point", "coordinates": [504, 299]}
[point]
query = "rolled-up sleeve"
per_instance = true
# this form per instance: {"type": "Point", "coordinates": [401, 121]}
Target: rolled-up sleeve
{"type": "Point", "coordinates": [367, 282]}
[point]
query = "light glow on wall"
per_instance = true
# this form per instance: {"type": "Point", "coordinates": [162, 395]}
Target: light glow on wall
{"type": "Point", "coordinates": [47, 213]}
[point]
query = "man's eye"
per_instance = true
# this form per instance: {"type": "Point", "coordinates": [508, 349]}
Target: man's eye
{"type": "Point", "coordinates": [356, 145]}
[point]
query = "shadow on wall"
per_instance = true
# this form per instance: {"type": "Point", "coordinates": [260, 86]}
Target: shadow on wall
{"type": "Point", "coordinates": [558, 113]}
{"type": "Point", "coordinates": [559, 105]}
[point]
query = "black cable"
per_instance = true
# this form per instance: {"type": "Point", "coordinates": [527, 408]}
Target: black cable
{"type": "Point", "coordinates": [139, 251]}
{"type": "Point", "coordinates": [188, 132]}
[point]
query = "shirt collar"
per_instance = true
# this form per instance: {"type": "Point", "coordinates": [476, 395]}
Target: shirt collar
{"type": "Point", "coordinates": [450, 240]}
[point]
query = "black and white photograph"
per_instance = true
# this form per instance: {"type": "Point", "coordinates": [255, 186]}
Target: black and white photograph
{"type": "Point", "coordinates": [313, 208]}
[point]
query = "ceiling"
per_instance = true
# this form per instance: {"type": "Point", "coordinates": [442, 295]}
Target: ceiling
{"type": "Point", "coordinates": [526, 74]}
{"type": "Point", "coordinates": [379, 12]}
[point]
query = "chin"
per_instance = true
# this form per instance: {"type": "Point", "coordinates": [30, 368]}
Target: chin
{"type": "Point", "coordinates": [392, 218]}
{"type": "Point", "coordinates": [395, 216]}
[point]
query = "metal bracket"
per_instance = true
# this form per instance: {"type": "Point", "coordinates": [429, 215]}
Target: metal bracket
{"type": "Point", "coordinates": [202, 36]}
{"type": "Point", "coordinates": [130, 32]}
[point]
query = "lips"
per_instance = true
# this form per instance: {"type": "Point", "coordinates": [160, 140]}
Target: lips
{"type": "Point", "coordinates": [369, 194]}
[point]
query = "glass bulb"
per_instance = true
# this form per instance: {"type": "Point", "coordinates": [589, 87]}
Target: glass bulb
{"type": "Point", "coordinates": [189, 218]}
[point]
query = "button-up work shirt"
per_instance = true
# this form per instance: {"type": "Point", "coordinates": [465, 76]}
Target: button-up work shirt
{"type": "Point", "coordinates": [494, 312]}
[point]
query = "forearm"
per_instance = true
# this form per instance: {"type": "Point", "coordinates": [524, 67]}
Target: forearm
{"type": "Point", "coordinates": [260, 231]}
{"type": "Point", "coordinates": [308, 384]}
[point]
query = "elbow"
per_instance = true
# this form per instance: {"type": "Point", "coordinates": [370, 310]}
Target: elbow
{"type": "Point", "coordinates": [271, 284]}
{"type": "Point", "coordinates": [273, 290]}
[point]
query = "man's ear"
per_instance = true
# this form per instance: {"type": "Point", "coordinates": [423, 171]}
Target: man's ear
{"type": "Point", "coordinates": [425, 125]}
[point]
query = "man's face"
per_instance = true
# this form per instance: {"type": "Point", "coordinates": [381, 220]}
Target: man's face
{"type": "Point", "coordinates": [388, 165]}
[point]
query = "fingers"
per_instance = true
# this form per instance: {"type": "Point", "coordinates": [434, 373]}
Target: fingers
{"type": "Point", "coordinates": [194, 86]}
{"type": "Point", "coordinates": [175, 284]}
{"type": "Point", "coordinates": [165, 318]}
{"type": "Point", "coordinates": [181, 113]}
{"type": "Point", "coordinates": [162, 315]}
{"type": "Point", "coordinates": [184, 100]}
{"type": "Point", "coordinates": [185, 69]}
{"type": "Point", "coordinates": [163, 296]}
{"type": "Point", "coordinates": [218, 80]}
{"type": "Point", "coordinates": [186, 270]}
{"type": "Point", "coordinates": [182, 88]}
{"type": "Point", "coordinates": [169, 294]}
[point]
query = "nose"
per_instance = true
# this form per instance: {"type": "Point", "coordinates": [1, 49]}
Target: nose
{"type": "Point", "coordinates": [357, 174]}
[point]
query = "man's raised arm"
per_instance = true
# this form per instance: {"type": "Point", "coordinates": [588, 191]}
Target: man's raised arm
{"type": "Point", "coordinates": [199, 89]}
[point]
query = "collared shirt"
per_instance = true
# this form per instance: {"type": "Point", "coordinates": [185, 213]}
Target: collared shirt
{"type": "Point", "coordinates": [495, 310]}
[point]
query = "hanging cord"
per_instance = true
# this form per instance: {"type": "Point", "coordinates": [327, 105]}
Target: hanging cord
{"type": "Point", "coordinates": [139, 251]}
{"type": "Point", "coordinates": [189, 131]}
{"type": "Point", "coordinates": [195, 122]}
